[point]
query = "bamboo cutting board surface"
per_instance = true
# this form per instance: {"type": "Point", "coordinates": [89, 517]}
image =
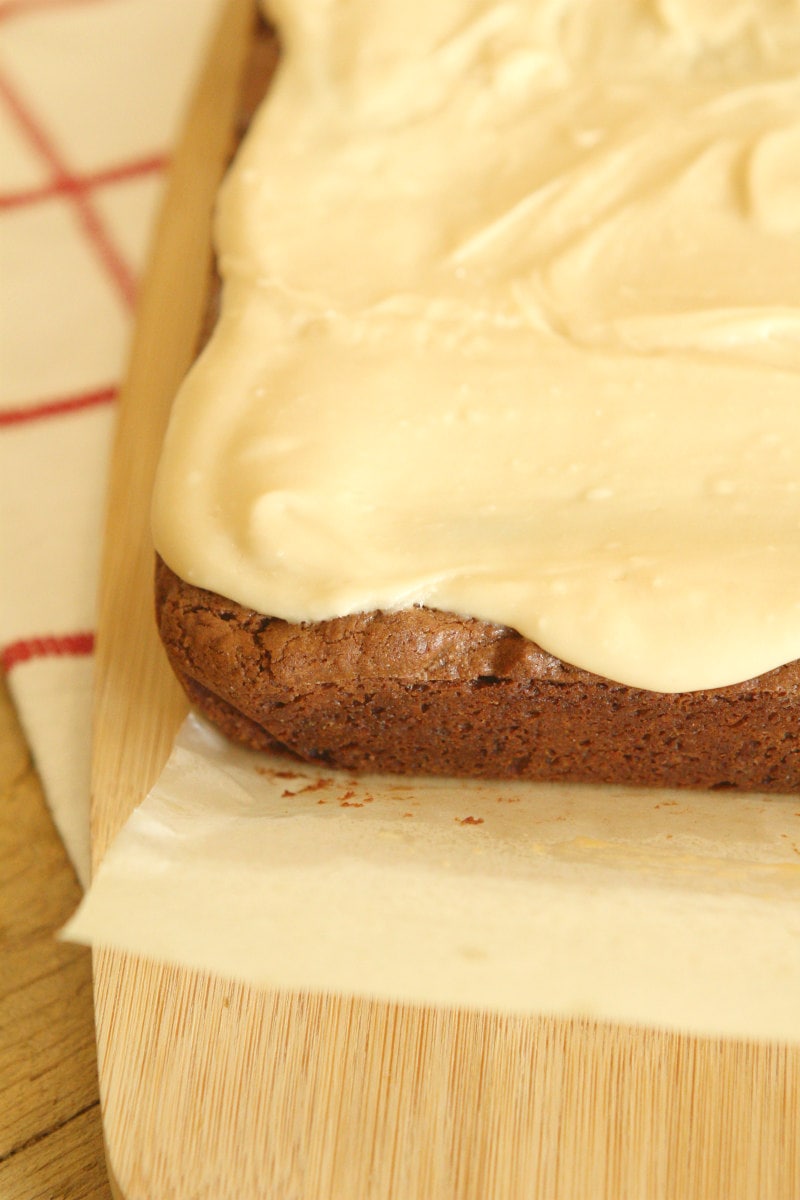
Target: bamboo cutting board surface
{"type": "Point", "coordinates": [214, 1091]}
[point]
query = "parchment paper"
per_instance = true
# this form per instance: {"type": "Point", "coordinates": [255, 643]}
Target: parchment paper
{"type": "Point", "coordinates": [663, 908]}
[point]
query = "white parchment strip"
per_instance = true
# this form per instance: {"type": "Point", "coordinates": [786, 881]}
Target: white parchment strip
{"type": "Point", "coordinates": [663, 908]}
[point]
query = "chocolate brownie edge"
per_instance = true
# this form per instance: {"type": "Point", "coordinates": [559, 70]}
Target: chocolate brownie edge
{"type": "Point", "coordinates": [404, 693]}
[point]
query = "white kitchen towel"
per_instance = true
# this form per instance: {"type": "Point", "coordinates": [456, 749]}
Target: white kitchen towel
{"type": "Point", "coordinates": [92, 98]}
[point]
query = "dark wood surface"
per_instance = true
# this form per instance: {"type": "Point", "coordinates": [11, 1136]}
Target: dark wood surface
{"type": "Point", "coordinates": [51, 1143]}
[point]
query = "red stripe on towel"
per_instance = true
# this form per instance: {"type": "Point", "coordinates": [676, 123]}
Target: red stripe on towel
{"type": "Point", "coordinates": [63, 181]}
{"type": "Point", "coordinates": [24, 8]}
{"type": "Point", "coordinates": [121, 173]}
{"type": "Point", "coordinates": [52, 646]}
{"type": "Point", "coordinates": [58, 407]}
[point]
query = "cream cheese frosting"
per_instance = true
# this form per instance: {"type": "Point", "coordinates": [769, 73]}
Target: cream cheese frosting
{"type": "Point", "coordinates": [511, 328]}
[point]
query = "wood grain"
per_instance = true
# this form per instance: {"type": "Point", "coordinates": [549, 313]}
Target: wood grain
{"type": "Point", "coordinates": [50, 1132]}
{"type": "Point", "coordinates": [217, 1092]}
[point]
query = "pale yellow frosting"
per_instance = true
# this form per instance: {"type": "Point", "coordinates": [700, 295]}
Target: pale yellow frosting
{"type": "Point", "coordinates": [511, 327]}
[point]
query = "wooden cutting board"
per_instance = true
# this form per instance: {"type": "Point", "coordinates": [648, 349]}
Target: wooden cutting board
{"type": "Point", "coordinates": [214, 1091]}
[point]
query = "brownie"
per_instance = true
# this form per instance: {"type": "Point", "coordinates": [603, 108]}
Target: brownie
{"type": "Point", "coordinates": [426, 692]}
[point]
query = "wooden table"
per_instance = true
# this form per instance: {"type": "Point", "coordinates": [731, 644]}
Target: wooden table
{"type": "Point", "coordinates": [51, 1145]}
